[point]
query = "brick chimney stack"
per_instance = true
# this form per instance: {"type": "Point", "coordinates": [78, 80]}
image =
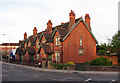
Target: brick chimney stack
{"type": "Point", "coordinates": [25, 35]}
{"type": "Point", "coordinates": [72, 19]}
{"type": "Point", "coordinates": [49, 26]}
{"type": "Point", "coordinates": [87, 20]}
{"type": "Point", "coordinates": [34, 32]}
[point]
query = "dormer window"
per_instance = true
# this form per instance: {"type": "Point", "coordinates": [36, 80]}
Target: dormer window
{"type": "Point", "coordinates": [29, 44]}
{"type": "Point", "coordinates": [38, 44]}
{"type": "Point", "coordinates": [43, 41]}
{"type": "Point", "coordinates": [25, 45]}
{"type": "Point", "coordinates": [80, 41]}
{"type": "Point", "coordinates": [57, 40]}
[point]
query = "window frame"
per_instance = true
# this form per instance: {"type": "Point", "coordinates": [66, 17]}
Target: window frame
{"type": "Point", "coordinates": [81, 49]}
{"type": "Point", "coordinates": [81, 42]}
{"type": "Point", "coordinates": [57, 56]}
{"type": "Point", "coordinates": [57, 41]}
{"type": "Point", "coordinates": [38, 44]}
{"type": "Point", "coordinates": [37, 57]}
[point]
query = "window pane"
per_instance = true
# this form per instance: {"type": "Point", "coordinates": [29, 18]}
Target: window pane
{"type": "Point", "coordinates": [80, 41]}
{"type": "Point", "coordinates": [81, 51]}
{"type": "Point", "coordinates": [58, 41]}
{"type": "Point", "coordinates": [37, 56]}
{"type": "Point", "coordinates": [58, 56]}
{"type": "Point", "coordinates": [55, 56]}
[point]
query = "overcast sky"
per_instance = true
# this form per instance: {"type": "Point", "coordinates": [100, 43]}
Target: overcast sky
{"type": "Point", "coordinates": [19, 16]}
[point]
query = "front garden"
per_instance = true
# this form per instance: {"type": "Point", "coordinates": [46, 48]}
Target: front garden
{"type": "Point", "coordinates": [99, 64]}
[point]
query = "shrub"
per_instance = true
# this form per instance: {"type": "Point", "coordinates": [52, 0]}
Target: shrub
{"type": "Point", "coordinates": [57, 65]}
{"type": "Point", "coordinates": [61, 65]}
{"type": "Point", "coordinates": [70, 63]}
{"type": "Point", "coordinates": [101, 61]}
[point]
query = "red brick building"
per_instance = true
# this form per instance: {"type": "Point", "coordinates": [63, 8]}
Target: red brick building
{"type": "Point", "coordinates": [72, 41]}
{"type": "Point", "coordinates": [6, 48]}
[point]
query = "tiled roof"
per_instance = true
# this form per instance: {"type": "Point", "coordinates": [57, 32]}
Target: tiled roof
{"type": "Point", "coordinates": [21, 43]}
{"type": "Point", "coordinates": [48, 37]}
{"type": "Point", "coordinates": [7, 44]}
{"type": "Point", "coordinates": [31, 39]}
{"type": "Point", "coordinates": [19, 51]}
{"type": "Point", "coordinates": [31, 50]}
{"type": "Point", "coordinates": [39, 34]}
{"type": "Point", "coordinates": [65, 25]}
{"type": "Point", "coordinates": [47, 48]}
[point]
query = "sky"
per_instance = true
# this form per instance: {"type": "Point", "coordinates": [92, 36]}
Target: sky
{"type": "Point", "coordinates": [20, 16]}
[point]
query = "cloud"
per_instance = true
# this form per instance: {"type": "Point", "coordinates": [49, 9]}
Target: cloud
{"type": "Point", "coordinates": [19, 16]}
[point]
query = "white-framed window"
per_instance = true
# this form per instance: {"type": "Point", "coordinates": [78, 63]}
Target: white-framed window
{"type": "Point", "coordinates": [43, 40]}
{"type": "Point", "coordinates": [57, 40]}
{"type": "Point", "coordinates": [81, 51]}
{"type": "Point", "coordinates": [38, 44]}
{"type": "Point", "coordinates": [57, 56]}
{"type": "Point", "coordinates": [37, 56]}
{"type": "Point", "coordinates": [29, 44]}
{"type": "Point", "coordinates": [80, 41]}
{"type": "Point", "coordinates": [25, 45]}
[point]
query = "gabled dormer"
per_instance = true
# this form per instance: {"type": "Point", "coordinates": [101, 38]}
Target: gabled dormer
{"type": "Point", "coordinates": [30, 41]}
{"type": "Point", "coordinates": [58, 34]}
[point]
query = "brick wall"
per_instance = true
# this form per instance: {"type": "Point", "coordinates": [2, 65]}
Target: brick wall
{"type": "Point", "coordinates": [72, 44]}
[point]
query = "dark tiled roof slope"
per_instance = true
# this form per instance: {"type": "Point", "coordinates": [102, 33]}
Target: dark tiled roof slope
{"type": "Point", "coordinates": [47, 48]}
{"type": "Point", "coordinates": [7, 44]}
{"type": "Point", "coordinates": [19, 51]}
{"type": "Point", "coordinates": [31, 50]}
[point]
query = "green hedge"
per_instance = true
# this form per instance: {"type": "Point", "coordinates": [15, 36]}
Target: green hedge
{"type": "Point", "coordinates": [60, 65]}
{"type": "Point", "coordinates": [101, 61]}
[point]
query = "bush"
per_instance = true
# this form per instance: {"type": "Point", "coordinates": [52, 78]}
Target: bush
{"type": "Point", "coordinates": [70, 63]}
{"type": "Point", "coordinates": [57, 65]}
{"type": "Point", "coordinates": [101, 61]}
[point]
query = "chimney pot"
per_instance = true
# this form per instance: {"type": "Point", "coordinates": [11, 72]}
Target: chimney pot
{"type": "Point", "coordinates": [25, 35]}
{"type": "Point", "coordinates": [72, 19]}
{"type": "Point", "coordinates": [87, 20]}
{"type": "Point", "coordinates": [62, 23]}
{"type": "Point", "coordinates": [34, 32]}
{"type": "Point", "coordinates": [49, 26]}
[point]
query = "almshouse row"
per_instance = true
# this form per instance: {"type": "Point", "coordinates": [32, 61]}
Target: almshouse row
{"type": "Point", "coordinates": [72, 41]}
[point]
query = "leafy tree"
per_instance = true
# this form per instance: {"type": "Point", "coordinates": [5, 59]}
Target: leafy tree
{"type": "Point", "coordinates": [102, 52]}
{"type": "Point", "coordinates": [116, 44]}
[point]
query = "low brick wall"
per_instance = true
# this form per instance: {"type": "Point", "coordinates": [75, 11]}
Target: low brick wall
{"type": "Point", "coordinates": [70, 67]}
{"type": "Point", "coordinates": [101, 68]}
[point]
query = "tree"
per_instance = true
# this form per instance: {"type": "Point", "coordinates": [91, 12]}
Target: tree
{"type": "Point", "coordinates": [102, 52]}
{"type": "Point", "coordinates": [101, 49]}
{"type": "Point", "coordinates": [116, 44]}
{"type": "Point", "coordinates": [101, 61]}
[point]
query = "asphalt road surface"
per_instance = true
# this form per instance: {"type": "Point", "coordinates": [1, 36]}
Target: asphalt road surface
{"type": "Point", "coordinates": [19, 73]}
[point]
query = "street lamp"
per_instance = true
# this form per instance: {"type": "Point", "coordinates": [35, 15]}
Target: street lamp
{"type": "Point", "coordinates": [9, 43]}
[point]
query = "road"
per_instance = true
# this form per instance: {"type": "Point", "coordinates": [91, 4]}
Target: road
{"type": "Point", "coordinates": [20, 73]}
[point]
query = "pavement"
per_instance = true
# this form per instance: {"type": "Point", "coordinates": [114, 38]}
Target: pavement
{"type": "Point", "coordinates": [67, 71]}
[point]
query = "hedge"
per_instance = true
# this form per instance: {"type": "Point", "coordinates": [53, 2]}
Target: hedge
{"type": "Point", "coordinates": [61, 65]}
